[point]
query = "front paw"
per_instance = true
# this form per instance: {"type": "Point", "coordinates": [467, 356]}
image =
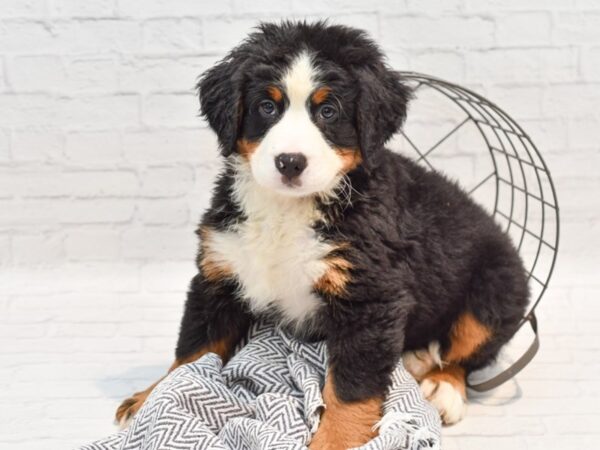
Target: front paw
{"type": "Point", "coordinates": [128, 409]}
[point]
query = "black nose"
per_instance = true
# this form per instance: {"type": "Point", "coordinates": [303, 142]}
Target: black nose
{"type": "Point", "coordinates": [290, 165]}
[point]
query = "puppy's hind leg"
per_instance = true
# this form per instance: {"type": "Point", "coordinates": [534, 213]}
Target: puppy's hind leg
{"type": "Point", "coordinates": [445, 389]}
{"type": "Point", "coordinates": [443, 386]}
{"type": "Point", "coordinates": [420, 362]}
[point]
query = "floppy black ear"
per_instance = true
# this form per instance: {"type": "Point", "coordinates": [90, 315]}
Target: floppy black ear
{"type": "Point", "coordinates": [382, 104]}
{"type": "Point", "coordinates": [220, 90]}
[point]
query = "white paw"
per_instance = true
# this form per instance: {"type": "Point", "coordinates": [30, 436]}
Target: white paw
{"type": "Point", "coordinates": [124, 422]}
{"type": "Point", "coordinates": [420, 362]}
{"type": "Point", "coordinates": [446, 399]}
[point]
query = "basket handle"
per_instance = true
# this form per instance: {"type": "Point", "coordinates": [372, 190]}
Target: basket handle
{"type": "Point", "coordinates": [517, 366]}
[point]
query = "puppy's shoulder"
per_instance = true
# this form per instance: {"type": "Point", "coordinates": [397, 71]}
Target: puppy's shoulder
{"type": "Point", "coordinates": [223, 211]}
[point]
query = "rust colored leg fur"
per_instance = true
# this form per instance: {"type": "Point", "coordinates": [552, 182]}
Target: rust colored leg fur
{"type": "Point", "coordinates": [445, 385]}
{"type": "Point", "coordinates": [445, 389]}
{"type": "Point", "coordinates": [467, 335]}
{"type": "Point", "coordinates": [131, 406]}
{"type": "Point", "coordinates": [345, 425]}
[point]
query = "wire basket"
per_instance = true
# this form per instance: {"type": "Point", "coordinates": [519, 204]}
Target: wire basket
{"type": "Point", "coordinates": [490, 155]}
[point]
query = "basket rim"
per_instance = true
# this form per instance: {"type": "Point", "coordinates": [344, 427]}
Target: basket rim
{"type": "Point", "coordinates": [432, 81]}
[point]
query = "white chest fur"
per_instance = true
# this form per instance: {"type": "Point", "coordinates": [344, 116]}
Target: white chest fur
{"type": "Point", "coordinates": [275, 254]}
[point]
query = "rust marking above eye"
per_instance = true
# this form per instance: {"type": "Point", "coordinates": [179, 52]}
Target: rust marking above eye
{"type": "Point", "coordinates": [246, 147]}
{"type": "Point", "coordinates": [351, 158]}
{"type": "Point", "coordinates": [320, 95]}
{"type": "Point", "coordinates": [275, 93]}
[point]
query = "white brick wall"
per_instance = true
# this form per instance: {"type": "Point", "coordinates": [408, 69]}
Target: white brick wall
{"type": "Point", "coordinates": [105, 169]}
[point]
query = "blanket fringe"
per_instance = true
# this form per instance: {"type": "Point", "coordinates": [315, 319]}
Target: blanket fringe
{"type": "Point", "coordinates": [419, 437]}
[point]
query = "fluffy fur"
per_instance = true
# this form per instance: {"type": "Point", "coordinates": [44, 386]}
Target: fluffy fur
{"type": "Point", "coordinates": [359, 246]}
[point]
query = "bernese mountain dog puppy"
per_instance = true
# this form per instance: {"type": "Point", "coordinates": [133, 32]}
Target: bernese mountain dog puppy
{"type": "Point", "coordinates": [316, 225]}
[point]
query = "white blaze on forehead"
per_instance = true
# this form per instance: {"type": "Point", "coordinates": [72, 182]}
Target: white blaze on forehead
{"type": "Point", "coordinates": [299, 80]}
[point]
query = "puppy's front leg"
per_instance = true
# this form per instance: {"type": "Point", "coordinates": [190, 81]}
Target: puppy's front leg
{"type": "Point", "coordinates": [214, 320]}
{"type": "Point", "coordinates": [362, 357]}
{"type": "Point", "coordinates": [345, 424]}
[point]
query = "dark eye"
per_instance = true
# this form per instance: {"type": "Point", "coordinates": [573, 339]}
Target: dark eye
{"type": "Point", "coordinates": [327, 112]}
{"type": "Point", "coordinates": [267, 108]}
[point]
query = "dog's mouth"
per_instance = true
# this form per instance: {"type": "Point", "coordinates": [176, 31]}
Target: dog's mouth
{"type": "Point", "coordinates": [314, 175]}
{"type": "Point", "coordinates": [291, 183]}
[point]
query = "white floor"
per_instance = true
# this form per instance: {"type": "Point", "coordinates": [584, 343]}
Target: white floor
{"type": "Point", "coordinates": [75, 340]}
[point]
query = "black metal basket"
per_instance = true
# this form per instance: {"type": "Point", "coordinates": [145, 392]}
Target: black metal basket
{"type": "Point", "coordinates": [515, 184]}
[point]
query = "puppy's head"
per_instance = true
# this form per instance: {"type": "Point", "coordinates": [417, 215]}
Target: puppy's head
{"type": "Point", "coordinates": [303, 104]}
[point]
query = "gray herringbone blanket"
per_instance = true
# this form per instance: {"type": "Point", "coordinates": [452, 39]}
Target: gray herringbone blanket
{"type": "Point", "coordinates": [267, 397]}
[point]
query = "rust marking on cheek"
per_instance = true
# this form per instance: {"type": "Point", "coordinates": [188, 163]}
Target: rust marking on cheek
{"type": "Point", "coordinates": [337, 275]}
{"type": "Point", "coordinates": [246, 148]}
{"type": "Point", "coordinates": [351, 158]}
{"type": "Point", "coordinates": [466, 336]}
{"type": "Point", "coordinates": [275, 93]}
{"type": "Point", "coordinates": [320, 95]}
{"type": "Point", "coordinates": [345, 424]}
{"type": "Point", "coordinates": [208, 262]}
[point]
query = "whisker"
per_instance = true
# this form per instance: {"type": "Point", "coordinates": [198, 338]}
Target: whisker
{"type": "Point", "coordinates": [347, 183]}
